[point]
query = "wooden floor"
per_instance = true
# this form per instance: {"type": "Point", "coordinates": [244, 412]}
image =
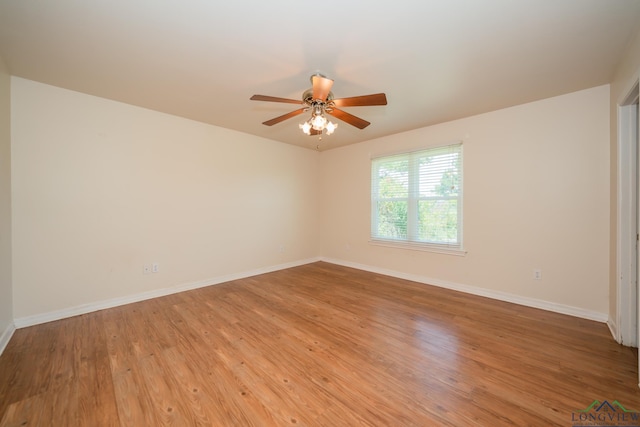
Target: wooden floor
{"type": "Point", "coordinates": [317, 345]}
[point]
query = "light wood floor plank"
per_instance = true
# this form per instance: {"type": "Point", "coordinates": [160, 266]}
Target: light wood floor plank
{"type": "Point", "coordinates": [316, 345]}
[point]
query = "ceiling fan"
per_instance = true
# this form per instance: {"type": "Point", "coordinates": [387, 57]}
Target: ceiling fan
{"type": "Point", "coordinates": [320, 101]}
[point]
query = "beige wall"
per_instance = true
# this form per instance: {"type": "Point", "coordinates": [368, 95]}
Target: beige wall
{"type": "Point", "coordinates": [626, 75]}
{"type": "Point", "coordinates": [101, 188]}
{"type": "Point", "coordinates": [6, 297]}
{"type": "Point", "coordinates": [536, 195]}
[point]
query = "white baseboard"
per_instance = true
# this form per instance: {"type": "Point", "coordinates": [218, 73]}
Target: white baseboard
{"type": "Point", "coordinates": [37, 319]}
{"type": "Point", "coordinates": [497, 295]}
{"type": "Point", "coordinates": [6, 336]}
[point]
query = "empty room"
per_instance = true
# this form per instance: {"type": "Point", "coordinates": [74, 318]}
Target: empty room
{"type": "Point", "coordinates": [319, 214]}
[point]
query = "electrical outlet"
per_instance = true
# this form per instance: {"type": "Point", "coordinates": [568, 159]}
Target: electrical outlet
{"type": "Point", "coordinates": [155, 267]}
{"type": "Point", "coordinates": [146, 269]}
{"type": "Point", "coordinates": [537, 274]}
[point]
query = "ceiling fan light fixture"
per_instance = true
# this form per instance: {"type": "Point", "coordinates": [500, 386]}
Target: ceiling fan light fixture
{"type": "Point", "coordinates": [318, 122]}
{"type": "Point", "coordinates": [306, 128]}
{"type": "Point", "coordinates": [331, 127]}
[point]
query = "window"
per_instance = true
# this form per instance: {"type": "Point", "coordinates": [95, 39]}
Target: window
{"type": "Point", "coordinates": [416, 198]}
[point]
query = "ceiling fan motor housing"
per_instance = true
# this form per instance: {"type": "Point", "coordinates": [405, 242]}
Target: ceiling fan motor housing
{"type": "Point", "coordinates": [307, 97]}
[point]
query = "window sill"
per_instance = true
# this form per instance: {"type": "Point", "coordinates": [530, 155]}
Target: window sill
{"type": "Point", "coordinates": [419, 247]}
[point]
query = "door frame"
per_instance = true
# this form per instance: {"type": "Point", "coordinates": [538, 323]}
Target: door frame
{"type": "Point", "coordinates": [627, 313]}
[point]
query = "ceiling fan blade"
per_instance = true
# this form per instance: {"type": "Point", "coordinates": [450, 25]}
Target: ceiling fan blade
{"type": "Point", "coordinates": [284, 117]}
{"type": "Point", "coordinates": [274, 99]}
{"type": "Point", "coordinates": [321, 87]}
{"type": "Point", "coordinates": [313, 132]}
{"type": "Point", "coordinates": [361, 101]}
{"type": "Point", "coordinates": [349, 118]}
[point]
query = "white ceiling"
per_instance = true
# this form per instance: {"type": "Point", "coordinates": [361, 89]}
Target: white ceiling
{"type": "Point", "coordinates": [436, 60]}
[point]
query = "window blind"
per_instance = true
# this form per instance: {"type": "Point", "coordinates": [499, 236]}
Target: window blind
{"type": "Point", "coordinates": [416, 197]}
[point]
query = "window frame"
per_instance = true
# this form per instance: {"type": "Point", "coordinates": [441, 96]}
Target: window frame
{"type": "Point", "coordinates": [413, 198]}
